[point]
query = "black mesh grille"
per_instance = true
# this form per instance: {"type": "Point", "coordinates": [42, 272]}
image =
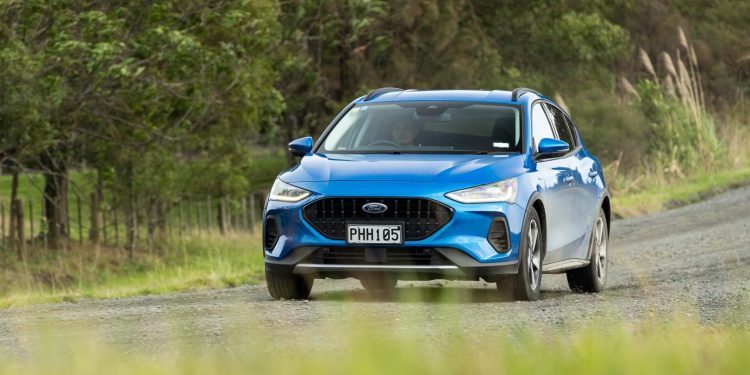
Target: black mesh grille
{"type": "Point", "coordinates": [387, 256]}
{"type": "Point", "coordinates": [271, 233]}
{"type": "Point", "coordinates": [421, 217]}
{"type": "Point", "coordinates": [498, 235]}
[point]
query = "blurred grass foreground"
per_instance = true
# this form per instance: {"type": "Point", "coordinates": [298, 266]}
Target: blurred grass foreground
{"type": "Point", "coordinates": [362, 347]}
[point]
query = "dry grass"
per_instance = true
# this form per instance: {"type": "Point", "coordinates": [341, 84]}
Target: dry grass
{"type": "Point", "coordinates": [202, 260]}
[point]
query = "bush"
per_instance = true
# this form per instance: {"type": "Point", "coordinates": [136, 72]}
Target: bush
{"type": "Point", "coordinates": [682, 136]}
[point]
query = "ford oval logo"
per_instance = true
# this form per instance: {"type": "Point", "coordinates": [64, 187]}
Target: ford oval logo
{"type": "Point", "coordinates": [374, 208]}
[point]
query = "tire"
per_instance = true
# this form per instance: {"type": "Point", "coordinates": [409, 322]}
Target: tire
{"type": "Point", "coordinates": [593, 277]}
{"type": "Point", "coordinates": [379, 284]}
{"type": "Point", "coordinates": [287, 285]}
{"type": "Point", "coordinates": [525, 285]}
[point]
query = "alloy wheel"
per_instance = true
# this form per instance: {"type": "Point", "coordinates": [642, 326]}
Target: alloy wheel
{"type": "Point", "coordinates": [600, 246]}
{"type": "Point", "coordinates": [533, 254]}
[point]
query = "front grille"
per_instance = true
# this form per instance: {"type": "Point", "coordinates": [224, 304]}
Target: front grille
{"type": "Point", "coordinates": [421, 217]}
{"type": "Point", "coordinates": [382, 256]}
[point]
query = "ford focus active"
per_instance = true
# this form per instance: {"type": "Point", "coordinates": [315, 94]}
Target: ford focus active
{"type": "Point", "coordinates": [421, 185]}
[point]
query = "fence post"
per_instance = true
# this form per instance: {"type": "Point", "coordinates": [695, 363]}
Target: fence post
{"type": "Point", "coordinates": [31, 222]}
{"type": "Point", "coordinates": [2, 221]}
{"type": "Point", "coordinates": [208, 212]}
{"type": "Point", "coordinates": [244, 213]}
{"type": "Point", "coordinates": [198, 215]}
{"type": "Point", "coordinates": [43, 224]}
{"type": "Point", "coordinates": [19, 228]}
{"type": "Point", "coordinates": [93, 219]}
{"type": "Point", "coordinates": [80, 220]}
{"type": "Point", "coordinates": [104, 219]}
{"type": "Point", "coordinates": [253, 217]}
{"type": "Point", "coordinates": [130, 226]}
{"type": "Point", "coordinates": [180, 229]}
{"type": "Point", "coordinates": [189, 213]}
{"type": "Point", "coordinates": [222, 216]}
{"type": "Point", "coordinates": [114, 222]}
{"type": "Point", "coordinates": [12, 239]}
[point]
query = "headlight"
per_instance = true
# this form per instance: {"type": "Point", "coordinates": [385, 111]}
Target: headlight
{"type": "Point", "coordinates": [502, 191]}
{"type": "Point", "coordinates": [281, 191]}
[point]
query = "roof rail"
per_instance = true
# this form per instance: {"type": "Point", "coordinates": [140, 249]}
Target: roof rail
{"type": "Point", "coordinates": [377, 92]}
{"type": "Point", "coordinates": [520, 91]}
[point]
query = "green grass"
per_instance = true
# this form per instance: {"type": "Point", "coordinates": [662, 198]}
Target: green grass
{"type": "Point", "coordinates": [197, 261]}
{"type": "Point", "coordinates": [659, 195]}
{"type": "Point", "coordinates": [361, 347]}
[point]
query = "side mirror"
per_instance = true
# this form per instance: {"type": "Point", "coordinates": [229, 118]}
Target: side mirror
{"type": "Point", "coordinates": [300, 147]}
{"type": "Point", "coordinates": [551, 147]}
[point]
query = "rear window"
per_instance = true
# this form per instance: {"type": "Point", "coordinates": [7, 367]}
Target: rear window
{"type": "Point", "coordinates": [426, 127]}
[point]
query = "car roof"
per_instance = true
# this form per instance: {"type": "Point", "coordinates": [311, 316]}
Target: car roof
{"type": "Point", "coordinates": [490, 96]}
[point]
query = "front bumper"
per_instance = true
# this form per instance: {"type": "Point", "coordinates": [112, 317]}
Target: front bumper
{"type": "Point", "coordinates": [462, 241]}
{"type": "Point", "coordinates": [446, 263]}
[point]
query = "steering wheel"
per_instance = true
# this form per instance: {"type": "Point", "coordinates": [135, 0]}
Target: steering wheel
{"type": "Point", "coordinates": [385, 142]}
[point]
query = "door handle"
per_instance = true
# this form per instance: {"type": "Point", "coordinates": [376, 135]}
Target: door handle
{"type": "Point", "coordinates": [569, 179]}
{"type": "Point", "coordinates": [593, 173]}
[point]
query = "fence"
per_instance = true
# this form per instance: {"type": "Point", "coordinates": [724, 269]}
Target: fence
{"type": "Point", "coordinates": [97, 220]}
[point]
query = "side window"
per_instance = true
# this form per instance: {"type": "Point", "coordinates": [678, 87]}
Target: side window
{"type": "Point", "coordinates": [540, 126]}
{"type": "Point", "coordinates": [573, 129]}
{"type": "Point", "coordinates": [564, 132]}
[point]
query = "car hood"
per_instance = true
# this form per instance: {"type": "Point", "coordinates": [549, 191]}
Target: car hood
{"type": "Point", "coordinates": [448, 168]}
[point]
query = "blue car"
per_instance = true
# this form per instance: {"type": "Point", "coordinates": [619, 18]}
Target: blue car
{"type": "Point", "coordinates": [421, 185]}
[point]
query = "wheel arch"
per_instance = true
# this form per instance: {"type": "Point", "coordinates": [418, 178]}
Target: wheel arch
{"type": "Point", "coordinates": [536, 202]}
{"type": "Point", "coordinates": [607, 208]}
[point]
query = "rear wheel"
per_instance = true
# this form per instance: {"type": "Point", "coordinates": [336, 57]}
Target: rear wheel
{"type": "Point", "coordinates": [288, 285]}
{"type": "Point", "coordinates": [592, 278]}
{"type": "Point", "coordinates": [526, 284]}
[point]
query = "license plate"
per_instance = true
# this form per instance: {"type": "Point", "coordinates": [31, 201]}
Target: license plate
{"type": "Point", "coordinates": [374, 234]}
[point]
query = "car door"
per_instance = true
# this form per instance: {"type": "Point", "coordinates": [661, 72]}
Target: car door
{"type": "Point", "coordinates": [558, 195]}
{"type": "Point", "coordinates": [586, 174]}
{"type": "Point", "coordinates": [581, 206]}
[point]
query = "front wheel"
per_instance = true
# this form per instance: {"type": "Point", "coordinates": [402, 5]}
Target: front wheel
{"type": "Point", "coordinates": [592, 278]}
{"type": "Point", "coordinates": [527, 283]}
{"type": "Point", "coordinates": [288, 285]}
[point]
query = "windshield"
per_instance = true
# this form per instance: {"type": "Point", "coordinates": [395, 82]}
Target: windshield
{"type": "Point", "coordinates": [426, 127]}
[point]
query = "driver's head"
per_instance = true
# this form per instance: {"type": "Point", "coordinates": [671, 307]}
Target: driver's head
{"type": "Point", "coordinates": [404, 132]}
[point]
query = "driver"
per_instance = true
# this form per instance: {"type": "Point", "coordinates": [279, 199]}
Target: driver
{"type": "Point", "coordinates": [404, 133]}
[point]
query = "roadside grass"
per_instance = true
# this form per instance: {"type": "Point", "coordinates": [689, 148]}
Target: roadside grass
{"type": "Point", "coordinates": [659, 194]}
{"type": "Point", "coordinates": [364, 347]}
{"type": "Point", "coordinates": [197, 261]}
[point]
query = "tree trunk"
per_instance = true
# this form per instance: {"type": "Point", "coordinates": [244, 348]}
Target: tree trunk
{"type": "Point", "coordinates": [94, 218]}
{"type": "Point", "coordinates": [21, 239]}
{"type": "Point", "coordinates": [13, 237]}
{"type": "Point", "coordinates": [130, 211]}
{"type": "Point", "coordinates": [55, 199]}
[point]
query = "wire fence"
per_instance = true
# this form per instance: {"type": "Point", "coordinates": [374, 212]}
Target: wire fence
{"type": "Point", "coordinates": [97, 220]}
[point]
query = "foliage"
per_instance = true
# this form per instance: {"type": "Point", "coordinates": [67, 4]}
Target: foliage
{"type": "Point", "coordinates": [172, 98]}
{"type": "Point", "coordinates": [679, 142]}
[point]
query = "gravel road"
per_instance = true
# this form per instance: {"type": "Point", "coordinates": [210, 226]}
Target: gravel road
{"type": "Point", "coordinates": [689, 262]}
